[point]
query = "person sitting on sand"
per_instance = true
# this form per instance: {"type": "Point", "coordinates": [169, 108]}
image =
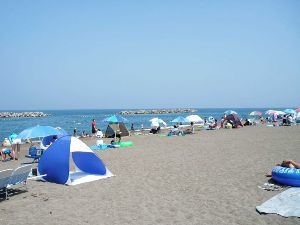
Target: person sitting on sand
{"type": "Point", "coordinates": [222, 122]}
{"type": "Point", "coordinates": [6, 150]}
{"type": "Point", "coordinates": [262, 120]}
{"type": "Point", "coordinates": [213, 125]}
{"type": "Point", "coordinates": [118, 135]}
{"type": "Point", "coordinates": [99, 133]}
{"type": "Point", "coordinates": [288, 164]}
{"type": "Point", "coordinates": [83, 134]}
{"type": "Point", "coordinates": [175, 131]}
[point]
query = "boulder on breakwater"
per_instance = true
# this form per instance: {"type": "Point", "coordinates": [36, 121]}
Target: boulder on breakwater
{"type": "Point", "coordinates": [22, 114]}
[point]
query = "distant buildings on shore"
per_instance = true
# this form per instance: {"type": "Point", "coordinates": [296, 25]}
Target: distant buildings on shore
{"type": "Point", "coordinates": [157, 111]}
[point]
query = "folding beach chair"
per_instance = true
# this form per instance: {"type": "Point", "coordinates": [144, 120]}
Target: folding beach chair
{"type": "Point", "coordinates": [34, 153]}
{"type": "Point", "coordinates": [19, 176]}
{"type": "Point", "coordinates": [5, 176]}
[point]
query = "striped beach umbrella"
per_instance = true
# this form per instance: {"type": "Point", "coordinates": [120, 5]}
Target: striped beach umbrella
{"type": "Point", "coordinates": [228, 112]}
{"type": "Point", "coordinates": [255, 113]}
{"type": "Point", "coordinates": [270, 112]}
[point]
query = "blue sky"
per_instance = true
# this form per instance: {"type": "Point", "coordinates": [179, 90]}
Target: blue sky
{"type": "Point", "coordinates": [149, 54]}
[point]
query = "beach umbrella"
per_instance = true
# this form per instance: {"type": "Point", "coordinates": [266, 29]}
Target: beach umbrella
{"type": "Point", "coordinates": [230, 112]}
{"type": "Point", "coordinates": [157, 121]}
{"type": "Point", "coordinates": [297, 110]}
{"type": "Point", "coordinates": [255, 113]}
{"type": "Point", "coordinates": [289, 111]}
{"type": "Point", "coordinates": [180, 119]}
{"type": "Point", "coordinates": [195, 119]}
{"type": "Point", "coordinates": [115, 119]}
{"type": "Point", "coordinates": [270, 112]}
{"type": "Point", "coordinates": [280, 113]}
{"type": "Point", "coordinates": [38, 132]}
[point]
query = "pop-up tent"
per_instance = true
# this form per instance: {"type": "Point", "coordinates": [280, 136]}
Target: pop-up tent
{"type": "Point", "coordinates": [112, 129]}
{"type": "Point", "coordinates": [55, 163]}
{"type": "Point", "coordinates": [234, 119]}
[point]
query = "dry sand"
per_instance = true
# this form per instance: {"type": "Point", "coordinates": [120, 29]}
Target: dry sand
{"type": "Point", "coordinates": [210, 177]}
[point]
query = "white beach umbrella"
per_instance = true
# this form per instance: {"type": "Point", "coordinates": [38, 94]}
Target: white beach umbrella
{"type": "Point", "coordinates": [195, 119]}
{"type": "Point", "coordinates": [157, 121]}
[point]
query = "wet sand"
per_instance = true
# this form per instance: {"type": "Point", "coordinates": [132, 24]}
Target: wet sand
{"type": "Point", "coordinates": [210, 177]}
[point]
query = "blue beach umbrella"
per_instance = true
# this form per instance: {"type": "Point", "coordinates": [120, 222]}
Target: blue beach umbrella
{"type": "Point", "coordinates": [290, 111]}
{"type": "Point", "coordinates": [180, 119]}
{"type": "Point", "coordinates": [38, 132]}
{"type": "Point", "coordinates": [115, 119]}
{"type": "Point", "coordinates": [230, 112]}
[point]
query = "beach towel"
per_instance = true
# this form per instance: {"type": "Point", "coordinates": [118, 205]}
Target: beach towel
{"type": "Point", "coordinates": [100, 147]}
{"type": "Point", "coordinates": [284, 204]}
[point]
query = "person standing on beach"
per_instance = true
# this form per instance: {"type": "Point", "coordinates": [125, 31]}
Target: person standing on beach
{"type": "Point", "coordinates": [94, 130]}
{"type": "Point", "coordinates": [15, 145]}
{"type": "Point", "coordinates": [75, 132]}
{"type": "Point", "coordinates": [274, 119]}
{"type": "Point", "coordinates": [142, 128]}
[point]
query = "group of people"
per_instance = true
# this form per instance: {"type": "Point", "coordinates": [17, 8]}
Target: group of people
{"type": "Point", "coordinates": [287, 120]}
{"type": "Point", "coordinates": [175, 130]}
{"type": "Point", "coordinates": [10, 147]}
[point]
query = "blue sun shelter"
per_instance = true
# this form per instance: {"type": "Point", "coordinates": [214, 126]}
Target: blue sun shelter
{"type": "Point", "coordinates": [55, 163]}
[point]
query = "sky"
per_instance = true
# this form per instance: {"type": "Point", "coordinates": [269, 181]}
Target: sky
{"type": "Point", "coordinates": [114, 54]}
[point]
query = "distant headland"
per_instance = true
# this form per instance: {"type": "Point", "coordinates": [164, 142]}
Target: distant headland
{"type": "Point", "coordinates": [22, 114]}
{"type": "Point", "coordinates": [157, 111]}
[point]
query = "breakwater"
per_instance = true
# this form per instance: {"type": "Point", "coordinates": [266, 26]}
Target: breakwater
{"type": "Point", "coordinates": [157, 111]}
{"type": "Point", "coordinates": [22, 114]}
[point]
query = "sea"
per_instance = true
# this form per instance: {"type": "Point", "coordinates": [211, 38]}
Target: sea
{"type": "Point", "coordinates": [81, 119]}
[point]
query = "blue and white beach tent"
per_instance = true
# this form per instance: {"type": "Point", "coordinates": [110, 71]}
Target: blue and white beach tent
{"type": "Point", "coordinates": [55, 163]}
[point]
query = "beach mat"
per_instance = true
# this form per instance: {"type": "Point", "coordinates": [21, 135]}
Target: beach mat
{"type": "Point", "coordinates": [285, 204]}
{"type": "Point", "coordinates": [82, 177]}
{"type": "Point", "coordinates": [100, 147]}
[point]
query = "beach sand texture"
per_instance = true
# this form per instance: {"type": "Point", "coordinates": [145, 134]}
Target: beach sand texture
{"type": "Point", "coordinates": [210, 177]}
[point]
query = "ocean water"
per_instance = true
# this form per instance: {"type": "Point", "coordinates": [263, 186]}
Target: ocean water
{"type": "Point", "coordinates": [81, 119]}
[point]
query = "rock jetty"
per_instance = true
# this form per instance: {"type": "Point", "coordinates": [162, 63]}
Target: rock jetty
{"type": "Point", "coordinates": [22, 114]}
{"type": "Point", "coordinates": [157, 111]}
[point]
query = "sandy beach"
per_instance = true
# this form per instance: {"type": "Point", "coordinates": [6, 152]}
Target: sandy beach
{"type": "Point", "coordinates": [211, 177]}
